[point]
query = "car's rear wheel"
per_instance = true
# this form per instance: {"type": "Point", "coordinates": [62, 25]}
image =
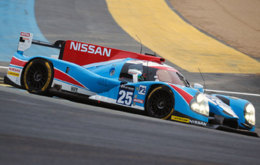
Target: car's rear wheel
{"type": "Point", "coordinates": [160, 102]}
{"type": "Point", "coordinates": [38, 76]}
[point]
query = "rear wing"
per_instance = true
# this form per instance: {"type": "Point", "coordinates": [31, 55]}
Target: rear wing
{"type": "Point", "coordinates": [26, 40]}
{"type": "Point", "coordinates": [82, 53]}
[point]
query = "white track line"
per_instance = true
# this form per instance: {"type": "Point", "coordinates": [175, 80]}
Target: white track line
{"type": "Point", "coordinates": [236, 93]}
{"type": "Point", "coordinates": [4, 67]}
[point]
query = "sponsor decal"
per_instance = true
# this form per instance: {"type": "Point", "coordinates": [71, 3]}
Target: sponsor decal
{"type": "Point", "coordinates": [15, 70]}
{"type": "Point", "coordinates": [197, 122]}
{"type": "Point", "coordinates": [74, 89]}
{"type": "Point", "coordinates": [187, 120]}
{"type": "Point", "coordinates": [180, 119]}
{"type": "Point", "coordinates": [15, 74]}
{"type": "Point", "coordinates": [91, 49]}
{"type": "Point", "coordinates": [85, 53]}
{"type": "Point", "coordinates": [112, 71]}
{"type": "Point", "coordinates": [138, 101]}
{"type": "Point", "coordinates": [127, 87]}
{"type": "Point", "coordinates": [25, 34]}
{"type": "Point", "coordinates": [125, 95]}
{"type": "Point", "coordinates": [142, 90]}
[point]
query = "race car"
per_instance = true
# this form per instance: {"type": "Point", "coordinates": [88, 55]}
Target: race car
{"type": "Point", "coordinates": [136, 81]}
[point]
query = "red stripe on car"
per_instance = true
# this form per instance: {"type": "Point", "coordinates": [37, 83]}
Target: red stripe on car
{"type": "Point", "coordinates": [18, 62]}
{"type": "Point", "coordinates": [187, 97]}
{"type": "Point", "coordinates": [64, 77]}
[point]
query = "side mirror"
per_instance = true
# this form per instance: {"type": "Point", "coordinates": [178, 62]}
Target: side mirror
{"type": "Point", "coordinates": [135, 73]}
{"type": "Point", "coordinates": [198, 87]}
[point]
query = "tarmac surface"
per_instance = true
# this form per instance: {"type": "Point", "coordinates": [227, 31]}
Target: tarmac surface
{"type": "Point", "coordinates": [44, 130]}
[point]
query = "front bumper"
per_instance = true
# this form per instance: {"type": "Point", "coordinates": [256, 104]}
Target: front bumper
{"type": "Point", "coordinates": [229, 129]}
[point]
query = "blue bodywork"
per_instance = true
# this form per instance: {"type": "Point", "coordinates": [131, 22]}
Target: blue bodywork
{"type": "Point", "coordinates": [102, 80]}
{"type": "Point", "coordinates": [237, 105]}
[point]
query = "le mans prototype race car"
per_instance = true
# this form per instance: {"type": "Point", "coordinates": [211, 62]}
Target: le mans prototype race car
{"type": "Point", "coordinates": [137, 81]}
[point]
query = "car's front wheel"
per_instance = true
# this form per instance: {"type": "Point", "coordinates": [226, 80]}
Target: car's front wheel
{"type": "Point", "coordinates": [160, 102]}
{"type": "Point", "coordinates": [38, 76]}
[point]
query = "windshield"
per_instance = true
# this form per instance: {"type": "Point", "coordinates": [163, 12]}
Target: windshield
{"type": "Point", "coordinates": [167, 75]}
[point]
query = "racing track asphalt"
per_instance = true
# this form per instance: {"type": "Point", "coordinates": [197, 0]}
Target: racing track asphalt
{"type": "Point", "coordinates": [43, 130]}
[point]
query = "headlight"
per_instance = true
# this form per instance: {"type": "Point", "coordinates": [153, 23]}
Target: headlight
{"type": "Point", "coordinates": [200, 104]}
{"type": "Point", "coordinates": [250, 114]}
{"type": "Point", "coordinates": [200, 97]}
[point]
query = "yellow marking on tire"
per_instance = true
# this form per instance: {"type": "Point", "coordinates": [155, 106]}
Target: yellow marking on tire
{"type": "Point", "coordinates": [164, 32]}
{"type": "Point", "coordinates": [153, 92]}
{"type": "Point", "coordinates": [49, 77]}
{"type": "Point", "coordinates": [150, 94]}
{"type": "Point", "coordinates": [166, 117]}
{"type": "Point", "coordinates": [25, 74]}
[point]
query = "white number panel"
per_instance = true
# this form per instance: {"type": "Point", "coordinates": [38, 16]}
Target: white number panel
{"type": "Point", "coordinates": [125, 95]}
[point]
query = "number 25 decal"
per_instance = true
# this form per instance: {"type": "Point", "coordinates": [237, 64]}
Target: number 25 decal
{"type": "Point", "coordinates": [125, 97]}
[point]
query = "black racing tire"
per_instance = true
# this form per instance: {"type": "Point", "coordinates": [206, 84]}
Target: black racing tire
{"type": "Point", "coordinates": [38, 76]}
{"type": "Point", "coordinates": [160, 103]}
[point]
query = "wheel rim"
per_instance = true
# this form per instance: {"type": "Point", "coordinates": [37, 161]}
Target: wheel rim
{"type": "Point", "coordinates": [160, 104]}
{"type": "Point", "coordinates": [37, 76]}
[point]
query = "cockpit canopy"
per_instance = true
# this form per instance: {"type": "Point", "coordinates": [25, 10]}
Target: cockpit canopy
{"type": "Point", "coordinates": [152, 71]}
